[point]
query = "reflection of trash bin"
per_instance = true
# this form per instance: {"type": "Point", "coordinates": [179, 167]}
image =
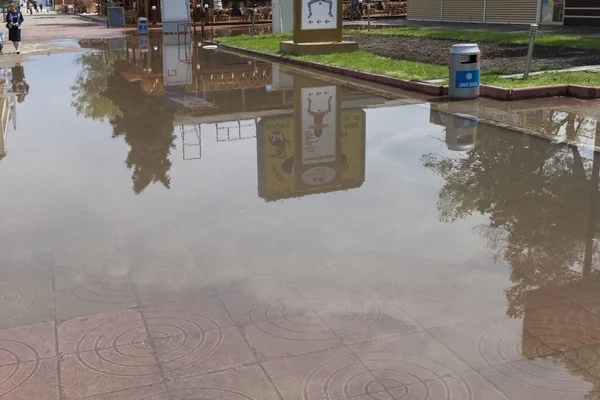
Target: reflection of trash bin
{"type": "Point", "coordinates": [461, 133]}
{"type": "Point", "coordinates": [143, 42]}
{"type": "Point", "coordinates": [460, 120]}
{"type": "Point", "coordinates": [465, 62]}
{"type": "Point", "coordinates": [142, 26]}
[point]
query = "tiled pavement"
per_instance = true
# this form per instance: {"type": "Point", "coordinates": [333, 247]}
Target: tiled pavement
{"type": "Point", "coordinates": [300, 340]}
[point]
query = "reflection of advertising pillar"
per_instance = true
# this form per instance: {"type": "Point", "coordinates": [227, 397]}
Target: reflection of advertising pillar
{"type": "Point", "coordinates": [276, 139]}
{"type": "Point", "coordinates": [317, 117]}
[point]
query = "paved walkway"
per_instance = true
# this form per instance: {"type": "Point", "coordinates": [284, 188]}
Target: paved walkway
{"type": "Point", "coordinates": [49, 33]}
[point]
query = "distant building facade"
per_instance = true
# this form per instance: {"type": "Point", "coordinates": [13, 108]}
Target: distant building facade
{"type": "Point", "coordinates": [546, 12]}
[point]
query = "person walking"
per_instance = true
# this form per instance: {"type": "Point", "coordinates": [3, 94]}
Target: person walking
{"type": "Point", "coordinates": [35, 5]}
{"type": "Point", "coordinates": [356, 9]}
{"type": "Point", "coordinates": [30, 7]}
{"type": "Point", "coordinates": [41, 7]}
{"type": "Point", "coordinates": [14, 20]}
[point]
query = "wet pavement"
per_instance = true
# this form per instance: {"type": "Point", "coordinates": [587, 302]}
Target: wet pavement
{"type": "Point", "coordinates": [179, 223]}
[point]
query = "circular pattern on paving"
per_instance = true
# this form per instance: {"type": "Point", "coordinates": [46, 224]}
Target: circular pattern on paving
{"type": "Point", "coordinates": [15, 376]}
{"type": "Point", "coordinates": [124, 328]}
{"type": "Point", "coordinates": [183, 339]}
{"type": "Point", "coordinates": [122, 347]}
{"type": "Point", "coordinates": [15, 297]}
{"type": "Point", "coordinates": [525, 359]}
{"type": "Point", "coordinates": [317, 314]}
{"type": "Point", "coordinates": [344, 311]}
{"type": "Point", "coordinates": [103, 293]}
{"type": "Point", "coordinates": [208, 393]}
{"type": "Point", "coordinates": [403, 375]}
{"type": "Point", "coordinates": [13, 351]}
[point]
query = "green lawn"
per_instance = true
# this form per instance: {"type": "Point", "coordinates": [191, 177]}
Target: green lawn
{"type": "Point", "coordinates": [265, 43]}
{"type": "Point", "coordinates": [578, 42]}
{"type": "Point", "coordinates": [359, 60]}
{"type": "Point", "coordinates": [545, 79]}
{"type": "Point", "coordinates": [368, 62]}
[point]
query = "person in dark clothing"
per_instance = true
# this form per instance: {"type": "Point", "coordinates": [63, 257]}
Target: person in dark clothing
{"type": "Point", "coordinates": [14, 20]}
{"type": "Point", "coordinates": [355, 9]}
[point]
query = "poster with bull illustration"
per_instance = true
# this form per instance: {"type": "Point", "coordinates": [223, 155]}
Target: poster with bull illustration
{"type": "Point", "coordinates": [319, 14]}
{"type": "Point", "coordinates": [318, 125]}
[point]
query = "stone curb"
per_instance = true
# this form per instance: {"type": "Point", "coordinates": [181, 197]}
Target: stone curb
{"type": "Point", "coordinates": [492, 92]}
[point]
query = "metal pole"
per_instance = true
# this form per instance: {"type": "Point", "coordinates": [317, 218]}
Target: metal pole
{"type": "Point", "coordinates": [203, 22]}
{"type": "Point", "coordinates": [253, 22]}
{"type": "Point", "coordinates": [212, 27]}
{"type": "Point", "coordinates": [369, 17]}
{"type": "Point", "coordinates": [194, 12]}
{"type": "Point", "coordinates": [532, 33]}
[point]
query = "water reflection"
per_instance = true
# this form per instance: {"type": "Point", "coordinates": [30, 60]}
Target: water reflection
{"type": "Point", "coordinates": [150, 92]}
{"type": "Point", "coordinates": [8, 84]}
{"type": "Point", "coordinates": [543, 206]}
{"type": "Point", "coordinates": [20, 87]}
{"type": "Point", "coordinates": [561, 120]}
{"type": "Point", "coordinates": [282, 290]}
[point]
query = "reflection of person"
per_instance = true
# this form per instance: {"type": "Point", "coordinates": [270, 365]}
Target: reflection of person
{"type": "Point", "coordinates": [311, 2]}
{"type": "Point", "coordinates": [318, 117]}
{"type": "Point", "coordinates": [14, 20]}
{"type": "Point", "coordinates": [19, 84]}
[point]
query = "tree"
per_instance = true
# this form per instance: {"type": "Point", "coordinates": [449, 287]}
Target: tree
{"type": "Point", "coordinates": [91, 83]}
{"type": "Point", "coordinates": [101, 93]}
{"type": "Point", "coordinates": [148, 128]}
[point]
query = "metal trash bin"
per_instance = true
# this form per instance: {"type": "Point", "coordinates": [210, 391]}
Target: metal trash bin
{"type": "Point", "coordinates": [465, 64]}
{"type": "Point", "coordinates": [142, 26]}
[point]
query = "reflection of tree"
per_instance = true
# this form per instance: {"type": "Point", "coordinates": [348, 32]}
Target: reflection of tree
{"type": "Point", "coordinates": [90, 85]}
{"type": "Point", "coordinates": [148, 128]}
{"type": "Point", "coordinates": [101, 92]}
{"type": "Point", "coordinates": [541, 201]}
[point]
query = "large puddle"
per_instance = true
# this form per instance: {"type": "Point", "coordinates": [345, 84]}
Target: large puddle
{"type": "Point", "coordinates": [185, 223]}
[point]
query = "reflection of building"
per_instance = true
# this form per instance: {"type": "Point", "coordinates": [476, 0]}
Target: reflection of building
{"type": "Point", "coordinates": [7, 110]}
{"type": "Point", "coordinates": [568, 327]}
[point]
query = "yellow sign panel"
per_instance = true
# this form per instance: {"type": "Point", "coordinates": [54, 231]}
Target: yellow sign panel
{"type": "Point", "coordinates": [277, 142]}
{"type": "Point", "coordinates": [353, 148]}
{"type": "Point", "coordinates": [276, 161]}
